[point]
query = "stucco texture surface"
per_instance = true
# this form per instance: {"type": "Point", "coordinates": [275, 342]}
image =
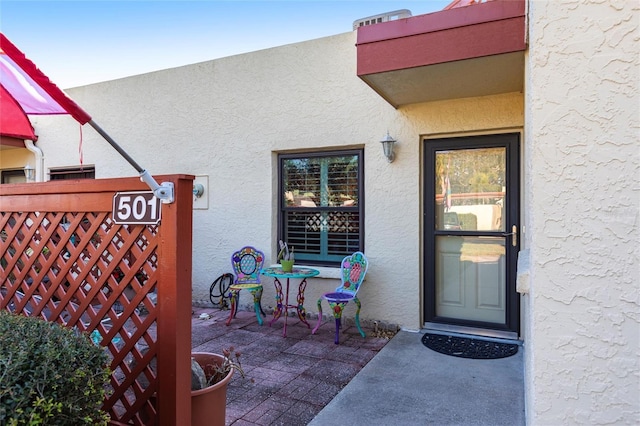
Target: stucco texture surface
{"type": "Point", "coordinates": [229, 118]}
{"type": "Point", "coordinates": [582, 172]}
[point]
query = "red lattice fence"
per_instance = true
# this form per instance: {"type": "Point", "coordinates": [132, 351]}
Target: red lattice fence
{"type": "Point", "coordinates": [63, 258]}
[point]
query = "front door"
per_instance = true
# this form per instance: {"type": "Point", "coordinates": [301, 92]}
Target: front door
{"type": "Point", "coordinates": [472, 231]}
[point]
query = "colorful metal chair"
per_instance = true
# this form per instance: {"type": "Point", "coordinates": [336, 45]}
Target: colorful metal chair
{"type": "Point", "coordinates": [353, 270]}
{"type": "Point", "coordinates": [247, 263]}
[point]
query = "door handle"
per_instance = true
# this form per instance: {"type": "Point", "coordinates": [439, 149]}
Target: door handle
{"type": "Point", "coordinates": [514, 235]}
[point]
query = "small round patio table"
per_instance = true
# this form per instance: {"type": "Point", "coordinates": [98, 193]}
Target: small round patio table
{"type": "Point", "coordinates": [277, 274]}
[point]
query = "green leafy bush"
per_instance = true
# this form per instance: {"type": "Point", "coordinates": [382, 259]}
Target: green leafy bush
{"type": "Point", "coordinates": [49, 375]}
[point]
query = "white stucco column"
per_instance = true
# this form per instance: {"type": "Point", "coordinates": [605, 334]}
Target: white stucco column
{"type": "Point", "coordinates": [582, 127]}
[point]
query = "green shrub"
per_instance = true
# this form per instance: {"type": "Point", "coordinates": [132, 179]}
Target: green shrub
{"type": "Point", "coordinates": [49, 375]}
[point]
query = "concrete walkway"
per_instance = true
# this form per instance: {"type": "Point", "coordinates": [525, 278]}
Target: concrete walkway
{"type": "Point", "coordinates": [408, 384]}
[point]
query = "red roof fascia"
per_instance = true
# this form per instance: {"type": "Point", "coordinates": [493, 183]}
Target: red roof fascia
{"type": "Point", "coordinates": [484, 29]}
{"type": "Point", "coordinates": [462, 3]}
{"type": "Point", "coordinates": [442, 20]}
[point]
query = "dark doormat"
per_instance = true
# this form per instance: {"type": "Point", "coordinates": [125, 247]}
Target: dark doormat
{"type": "Point", "coordinates": [465, 347]}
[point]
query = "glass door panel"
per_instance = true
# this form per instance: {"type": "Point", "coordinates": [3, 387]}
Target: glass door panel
{"type": "Point", "coordinates": [471, 225]}
{"type": "Point", "coordinates": [470, 188]}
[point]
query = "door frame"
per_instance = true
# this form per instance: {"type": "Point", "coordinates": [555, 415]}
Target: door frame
{"type": "Point", "coordinates": [511, 141]}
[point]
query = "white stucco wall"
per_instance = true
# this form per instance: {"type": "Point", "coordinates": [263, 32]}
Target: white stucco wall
{"type": "Point", "coordinates": [227, 119]}
{"type": "Point", "coordinates": [582, 115]}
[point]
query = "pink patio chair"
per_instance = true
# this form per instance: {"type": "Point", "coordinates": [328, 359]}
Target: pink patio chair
{"type": "Point", "coordinates": [353, 270]}
{"type": "Point", "coordinates": [247, 263]}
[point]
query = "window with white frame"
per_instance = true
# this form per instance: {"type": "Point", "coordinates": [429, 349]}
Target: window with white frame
{"type": "Point", "coordinates": [322, 205]}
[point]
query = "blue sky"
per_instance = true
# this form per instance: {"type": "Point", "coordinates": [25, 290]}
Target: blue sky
{"type": "Point", "coordinates": [82, 42]}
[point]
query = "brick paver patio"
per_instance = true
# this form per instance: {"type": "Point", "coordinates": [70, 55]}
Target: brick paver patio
{"type": "Point", "coordinates": [288, 380]}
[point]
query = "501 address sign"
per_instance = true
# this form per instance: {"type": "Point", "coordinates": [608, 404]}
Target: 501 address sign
{"type": "Point", "coordinates": [136, 207]}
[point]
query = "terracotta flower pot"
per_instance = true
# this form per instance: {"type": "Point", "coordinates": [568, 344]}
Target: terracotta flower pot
{"type": "Point", "coordinates": [208, 405]}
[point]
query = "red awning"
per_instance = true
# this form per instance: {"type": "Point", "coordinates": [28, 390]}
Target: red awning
{"type": "Point", "coordinates": [13, 120]}
{"type": "Point", "coordinates": [34, 93]}
{"type": "Point", "coordinates": [26, 90]}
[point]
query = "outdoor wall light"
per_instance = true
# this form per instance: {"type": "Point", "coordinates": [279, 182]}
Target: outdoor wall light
{"type": "Point", "coordinates": [29, 173]}
{"type": "Point", "coordinates": [387, 147]}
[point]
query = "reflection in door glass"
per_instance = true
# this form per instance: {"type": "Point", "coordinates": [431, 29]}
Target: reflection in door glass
{"type": "Point", "coordinates": [470, 188]}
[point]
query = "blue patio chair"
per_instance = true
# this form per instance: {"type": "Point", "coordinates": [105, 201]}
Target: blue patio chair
{"type": "Point", "coordinates": [247, 263]}
{"type": "Point", "coordinates": [352, 271]}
